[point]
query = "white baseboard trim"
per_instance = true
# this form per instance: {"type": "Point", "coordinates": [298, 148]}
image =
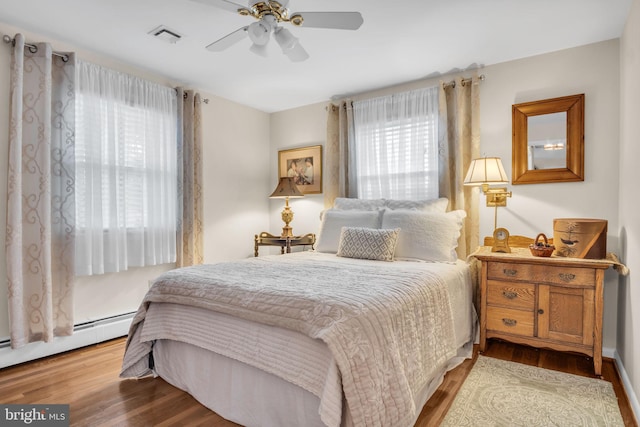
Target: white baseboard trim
{"type": "Point", "coordinates": [628, 388]}
{"type": "Point", "coordinates": [84, 335]}
{"type": "Point", "coordinates": [608, 352]}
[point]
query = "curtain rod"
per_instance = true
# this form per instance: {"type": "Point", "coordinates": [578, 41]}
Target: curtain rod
{"type": "Point", "coordinates": [445, 85]}
{"type": "Point", "coordinates": [452, 83]}
{"type": "Point", "coordinates": [32, 47]}
{"type": "Point", "coordinates": [205, 100]}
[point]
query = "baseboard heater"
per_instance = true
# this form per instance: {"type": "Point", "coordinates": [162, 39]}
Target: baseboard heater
{"type": "Point", "coordinates": [103, 321]}
{"type": "Point", "coordinates": [84, 334]}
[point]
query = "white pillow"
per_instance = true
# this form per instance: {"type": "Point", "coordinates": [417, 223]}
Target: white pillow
{"type": "Point", "coordinates": [426, 236]}
{"type": "Point", "coordinates": [368, 243]}
{"type": "Point", "coordinates": [344, 204]}
{"type": "Point", "coordinates": [333, 220]}
{"type": "Point", "coordinates": [431, 205]}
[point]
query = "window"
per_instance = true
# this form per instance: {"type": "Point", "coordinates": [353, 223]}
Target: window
{"type": "Point", "coordinates": [396, 145]}
{"type": "Point", "coordinates": [126, 171]}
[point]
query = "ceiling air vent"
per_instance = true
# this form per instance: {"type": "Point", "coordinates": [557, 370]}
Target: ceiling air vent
{"type": "Point", "coordinates": [166, 34]}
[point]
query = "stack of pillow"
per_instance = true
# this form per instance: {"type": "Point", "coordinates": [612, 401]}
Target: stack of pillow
{"type": "Point", "coordinates": [383, 229]}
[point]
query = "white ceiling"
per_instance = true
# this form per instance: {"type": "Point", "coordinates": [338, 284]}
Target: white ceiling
{"type": "Point", "coordinates": [400, 41]}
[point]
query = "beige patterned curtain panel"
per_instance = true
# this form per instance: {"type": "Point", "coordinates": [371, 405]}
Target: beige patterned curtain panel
{"type": "Point", "coordinates": [458, 144]}
{"type": "Point", "coordinates": [339, 170]}
{"type": "Point", "coordinates": [40, 200]}
{"type": "Point", "coordinates": [189, 249]}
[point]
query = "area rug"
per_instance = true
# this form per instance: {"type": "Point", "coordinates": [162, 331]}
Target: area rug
{"type": "Point", "coordinates": [501, 393]}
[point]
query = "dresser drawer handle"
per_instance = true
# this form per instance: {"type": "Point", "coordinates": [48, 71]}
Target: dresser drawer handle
{"type": "Point", "coordinates": [567, 277]}
{"type": "Point", "coordinates": [509, 322]}
{"type": "Point", "coordinates": [510, 294]}
{"type": "Point", "coordinates": [509, 272]}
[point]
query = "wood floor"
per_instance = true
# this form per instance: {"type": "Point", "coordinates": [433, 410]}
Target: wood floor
{"type": "Point", "coordinates": [87, 379]}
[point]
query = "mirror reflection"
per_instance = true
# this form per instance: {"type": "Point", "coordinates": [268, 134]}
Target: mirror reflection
{"type": "Point", "coordinates": [547, 141]}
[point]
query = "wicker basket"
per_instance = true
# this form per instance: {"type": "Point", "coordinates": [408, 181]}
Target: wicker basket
{"type": "Point", "coordinates": [541, 247]}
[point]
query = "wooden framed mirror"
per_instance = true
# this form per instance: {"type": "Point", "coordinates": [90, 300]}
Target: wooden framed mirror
{"type": "Point", "coordinates": [548, 140]}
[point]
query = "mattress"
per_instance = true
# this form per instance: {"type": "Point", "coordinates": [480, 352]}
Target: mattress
{"type": "Point", "coordinates": [255, 390]}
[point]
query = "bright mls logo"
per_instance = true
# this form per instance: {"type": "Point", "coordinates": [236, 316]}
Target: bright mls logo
{"type": "Point", "coordinates": [34, 415]}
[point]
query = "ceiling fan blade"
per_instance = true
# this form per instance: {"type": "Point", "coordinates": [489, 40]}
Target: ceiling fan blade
{"type": "Point", "coordinates": [228, 40]}
{"type": "Point", "coordinates": [297, 53]}
{"type": "Point", "coordinates": [222, 4]}
{"type": "Point", "coordinates": [336, 20]}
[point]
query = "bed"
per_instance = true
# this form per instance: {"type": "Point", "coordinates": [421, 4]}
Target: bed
{"type": "Point", "coordinates": [322, 338]}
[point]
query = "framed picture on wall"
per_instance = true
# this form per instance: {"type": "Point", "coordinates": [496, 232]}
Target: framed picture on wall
{"type": "Point", "coordinates": [304, 165]}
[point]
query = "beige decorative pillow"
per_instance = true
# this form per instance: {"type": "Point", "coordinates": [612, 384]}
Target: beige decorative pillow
{"type": "Point", "coordinates": [368, 243]}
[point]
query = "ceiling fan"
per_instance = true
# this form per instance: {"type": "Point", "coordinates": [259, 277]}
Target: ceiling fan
{"type": "Point", "coordinates": [269, 14]}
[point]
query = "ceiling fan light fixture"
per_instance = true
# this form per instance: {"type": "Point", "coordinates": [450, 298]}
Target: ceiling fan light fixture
{"type": "Point", "coordinates": [297, 53]}
{"type": "Point", "coordinates": [269, 14]}
{"type": "Point", "coordinates": [285, 39]}
{"type": "Point", "coordinates": [259, 32]}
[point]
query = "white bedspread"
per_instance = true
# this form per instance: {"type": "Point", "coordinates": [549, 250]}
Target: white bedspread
{"type": "Point", "coordinates": [387, 325]}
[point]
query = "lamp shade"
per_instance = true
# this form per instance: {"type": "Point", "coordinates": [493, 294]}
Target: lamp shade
{"type": "Point", "coordinates": [486, 170]}
{"type": "Point", "coordinates": [286, 188]}
{"type": "Point", "coordinates": [285, 39]}
{"type": "Point", "coordinates": [259, 32]}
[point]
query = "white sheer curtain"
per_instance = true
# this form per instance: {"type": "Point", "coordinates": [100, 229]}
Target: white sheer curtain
{"type": "Point", "coordinates": [40, 194]}
{"type": "Point", "coordinates": [126, 171]}
{"type": "Point", "coordinates": [396, 140]}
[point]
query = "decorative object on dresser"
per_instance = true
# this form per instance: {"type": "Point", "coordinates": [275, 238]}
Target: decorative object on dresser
{"type": "Point", "coordinates": [286, 188]}
{"type": "Point", "coordinates": [304, 165]}
{"type": "Point", "coordinates": [548, 140]}
{"type": "Point", "coordinates": [285, 243]}
{"type": "Point", "coordinates": [486, 171]}
{"type": "Point", "coordinates": [500, 240]}
{"type": "Point", "coordinates": [553, 302]}
{"type": "Point", "coordinates": [541, 246]}
{"type": "Point", "coordinates": [580, 237]}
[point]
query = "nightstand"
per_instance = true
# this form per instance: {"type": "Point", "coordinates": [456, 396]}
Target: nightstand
{"type": "Point", "coordinates": [285, 243]}
{"type": "Point", "coordinates": [554, 302]}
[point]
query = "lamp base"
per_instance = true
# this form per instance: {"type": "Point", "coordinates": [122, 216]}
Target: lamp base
{"type": "Point", "coordinates": [287, 231]}
{"type": "Point", "coordinates": [287, 217]}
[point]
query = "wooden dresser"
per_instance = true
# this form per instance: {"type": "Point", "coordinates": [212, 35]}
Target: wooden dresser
{"type": "Point", "coordinates": [554, 303]}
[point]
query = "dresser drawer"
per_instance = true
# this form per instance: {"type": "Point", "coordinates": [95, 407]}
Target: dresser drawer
{"type": "Point", "coordinates": [566, 276]}
{"type": "Point", "coordinates": [517, 322]}
{"type": "Point", "coordinates": [511, 294]}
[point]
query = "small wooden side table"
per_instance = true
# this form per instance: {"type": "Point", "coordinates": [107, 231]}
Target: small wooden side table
{"type": "Point", "coordinates": [554, 302]}
{"type": "Point", "coordinates": [285, 243]}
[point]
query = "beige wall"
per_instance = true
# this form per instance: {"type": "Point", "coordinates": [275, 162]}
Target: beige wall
{"type": "Point", "coordinates": [299, 127]}
{"type": "Point", "coordinates": [236, 144]}
{"type": "Point", "coordinates": [592, 70]}
{"type": "Point", "coordinates": [236, 178]}
{"type": "Point", "coordinates": [629, 225]}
